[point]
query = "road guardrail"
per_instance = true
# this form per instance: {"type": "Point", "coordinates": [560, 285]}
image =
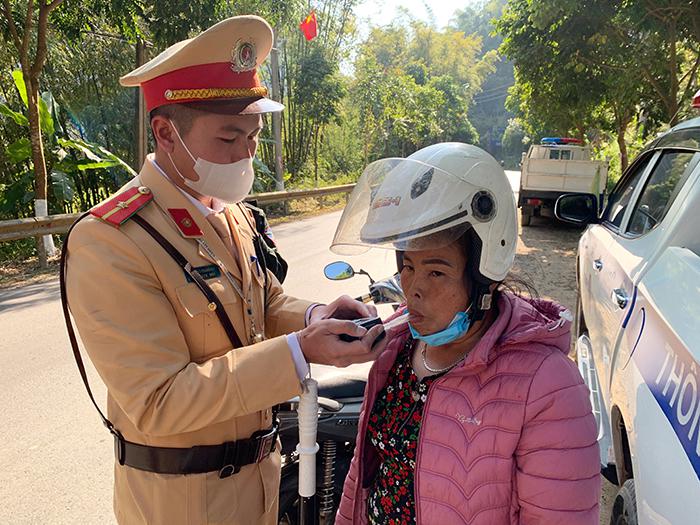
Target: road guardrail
{"type": "Point", "coordinates": [52, 224]}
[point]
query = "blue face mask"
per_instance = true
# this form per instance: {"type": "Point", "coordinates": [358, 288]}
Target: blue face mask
{"type": "Point", "coordinates": [457, 328]}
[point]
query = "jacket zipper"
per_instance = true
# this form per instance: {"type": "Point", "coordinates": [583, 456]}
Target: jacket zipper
{"type": "Point", "coordinates": [419, 449]}
{"type": "Point", "coordinates": [360, 444]}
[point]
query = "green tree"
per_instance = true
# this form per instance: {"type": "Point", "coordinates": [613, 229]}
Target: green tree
{"type": "Point", "coordinates": [26, 26]}
{"type": "Point", "coordinates": [318, 94]}
{"type": "Point", "coordinates": [515, 143]}
{"type": "Point", "coordinates": [84, 78]}
{"type": "Point", "coordinates": [413, 86]}
{"type": "Point", "coordinates": [311, 83]}
{"type": "Point", "coordinates": [78, 170]}
{"type": "Point", "coordinates": [600, 63]}
{"type": "Point", "coordinates": [488, 112]}
{"type": "Point", "coordinates": [554, 90]}
{"type": "Point", "coordinates": [661, 41]}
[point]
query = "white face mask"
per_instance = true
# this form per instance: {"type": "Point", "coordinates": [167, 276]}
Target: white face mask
{"type": "Point", "coordinates": [227, 182]}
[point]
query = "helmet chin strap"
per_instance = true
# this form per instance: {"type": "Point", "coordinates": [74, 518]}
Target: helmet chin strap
{"type": "Point", "coordinates": [483, 300]}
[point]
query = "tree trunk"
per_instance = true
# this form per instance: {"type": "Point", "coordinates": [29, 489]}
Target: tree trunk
{"type": "Point", "coordinates": [45, 247]}
{"type": "Point", "coordinates": [318, 132]}
{"type": "Point", "coordinates": [276, 117]}
{"type": "Point", "coordinates": [624, 160]}
{"type": "Point", "coordinates": [673, 110]}
{"type": "Point", "coordinates": [37, 141]}
{"type": "Point", "coordinates": [141, 133]}
{"type": "Point", "coordinates": [31, 71]}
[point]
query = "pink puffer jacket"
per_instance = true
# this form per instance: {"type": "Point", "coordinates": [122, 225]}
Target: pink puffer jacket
{"type": "Point", "coordinates": [506, 438]}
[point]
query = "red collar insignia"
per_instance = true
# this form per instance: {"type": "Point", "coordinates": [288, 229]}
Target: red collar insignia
{"type": "Point", "coordinates": [185, 223]}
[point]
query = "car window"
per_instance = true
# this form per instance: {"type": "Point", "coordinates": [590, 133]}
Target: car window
{"type": "Point", "coordinates": [566, 154]}
{"type": "Point", "coordinates": [554, 154]}
{"type": "Point", "coordinates": [661, 189]}
{"type": "Point", "coordinates": [620, 197]}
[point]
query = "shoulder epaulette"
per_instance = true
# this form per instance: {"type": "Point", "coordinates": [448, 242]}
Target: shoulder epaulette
{"type": "Point", "coordinates": [121, 207]}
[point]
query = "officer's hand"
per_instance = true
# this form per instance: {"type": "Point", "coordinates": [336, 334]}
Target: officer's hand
{"type": "Point", "coordinates": [344, 307]}
{"type": "Point", "coordinates": [320, 343]}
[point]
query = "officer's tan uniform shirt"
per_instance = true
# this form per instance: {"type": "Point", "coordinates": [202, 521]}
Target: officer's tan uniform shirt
{"type": "Point", "coordinates": [172, 378]}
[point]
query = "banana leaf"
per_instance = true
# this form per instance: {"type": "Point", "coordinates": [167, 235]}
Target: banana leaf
{"type": "Point", "coordinates": [19, 151]}
{"type": "Point", "coordinates": [62, 185]}
{"type": "Point", "coordinates": [19, 118]}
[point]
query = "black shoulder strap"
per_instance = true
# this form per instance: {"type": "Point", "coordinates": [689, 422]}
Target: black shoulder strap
{"type": "Point", "coordinates": [259, 252]}
{"type": "Point", "coordinates": [198, 280]}
{"type": "Point", "coordinates": [180, 259]}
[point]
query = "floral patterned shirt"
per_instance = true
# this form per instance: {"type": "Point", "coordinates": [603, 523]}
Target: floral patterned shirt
{"type": "Point", "coordinates": [394, 425]}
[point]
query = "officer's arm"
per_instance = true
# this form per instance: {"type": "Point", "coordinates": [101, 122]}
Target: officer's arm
{"type": "Point", "coordinates": [284, 314]}
{"type": "Point", "coordinates": [131, 333]}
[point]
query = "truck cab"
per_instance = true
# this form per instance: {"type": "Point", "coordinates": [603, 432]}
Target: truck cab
{"type": "Point", "coordinates": [556, 166]}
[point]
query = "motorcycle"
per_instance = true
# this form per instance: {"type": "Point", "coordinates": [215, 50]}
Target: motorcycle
{"type": "Point", "coordinates": [340, 395]}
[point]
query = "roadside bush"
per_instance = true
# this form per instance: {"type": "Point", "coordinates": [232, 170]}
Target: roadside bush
{"type": "Point", "coordinates": [15, 251]}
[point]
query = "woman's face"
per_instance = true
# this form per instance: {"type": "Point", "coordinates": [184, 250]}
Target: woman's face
{"type": "Point", "coordinates": [433, 282]}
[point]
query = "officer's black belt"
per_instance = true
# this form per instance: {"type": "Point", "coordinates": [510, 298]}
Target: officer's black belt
{"type": "Point", "coordinates": [226, 459]}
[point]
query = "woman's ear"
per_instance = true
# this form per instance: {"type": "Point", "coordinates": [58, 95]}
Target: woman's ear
{"type": "Point", "coordinates": [163, 133]}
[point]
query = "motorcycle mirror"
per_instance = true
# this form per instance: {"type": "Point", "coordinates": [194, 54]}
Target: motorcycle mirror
{"type": "Point", "coordinates": [338, 271]}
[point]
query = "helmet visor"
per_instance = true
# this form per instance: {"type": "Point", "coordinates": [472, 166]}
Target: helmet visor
{"type": "Point", "coordinates": [407, 205]}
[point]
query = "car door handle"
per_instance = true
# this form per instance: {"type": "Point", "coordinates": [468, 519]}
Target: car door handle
{"type": "Point", "coordinates": [620, 298]}
{"type": "Point", "coordinates": [597, 265]}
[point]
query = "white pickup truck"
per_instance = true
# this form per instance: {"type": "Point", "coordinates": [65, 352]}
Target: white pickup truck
{"type": "Point", "coordinates": [553, 168]}
{"type": "Point", "coordinates": [638, 328]}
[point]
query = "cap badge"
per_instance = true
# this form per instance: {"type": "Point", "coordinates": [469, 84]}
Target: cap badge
{"type": "Point", "coordinates": [244, 56]}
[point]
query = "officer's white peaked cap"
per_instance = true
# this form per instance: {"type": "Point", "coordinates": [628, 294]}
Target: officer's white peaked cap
{"type": "Point", "coordinates": [218, 65]}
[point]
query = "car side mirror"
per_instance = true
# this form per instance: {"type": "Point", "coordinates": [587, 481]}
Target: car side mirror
{"type": "Point", "coordinates": [577, 208]}
{"type": "Point", "coordinates": [338, 271]}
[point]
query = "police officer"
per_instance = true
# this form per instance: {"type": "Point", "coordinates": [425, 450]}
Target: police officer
{"type": "Point", "coordinates": [193, 337]}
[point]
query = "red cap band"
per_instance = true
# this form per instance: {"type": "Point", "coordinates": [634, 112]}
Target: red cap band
{"type": "Point", "coordinates": [201, 82]}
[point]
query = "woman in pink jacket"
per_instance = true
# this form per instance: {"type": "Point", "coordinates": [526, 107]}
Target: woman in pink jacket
{"type": "Point", "coordinates": [474, 414]}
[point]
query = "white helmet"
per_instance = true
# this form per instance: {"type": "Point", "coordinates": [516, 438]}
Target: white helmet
{"type": "Point", "coordinates": [429, 200]}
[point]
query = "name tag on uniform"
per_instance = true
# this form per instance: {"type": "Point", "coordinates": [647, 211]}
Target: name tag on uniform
{"type": "Point", "coordinates": [207, 272]}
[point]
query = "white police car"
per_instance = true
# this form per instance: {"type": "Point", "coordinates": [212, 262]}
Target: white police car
{"type": "Point", "coordinates": [638, 328]}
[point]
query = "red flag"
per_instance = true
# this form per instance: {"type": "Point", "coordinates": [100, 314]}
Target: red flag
{"type": "Point", "coordinates": [309, 26]}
